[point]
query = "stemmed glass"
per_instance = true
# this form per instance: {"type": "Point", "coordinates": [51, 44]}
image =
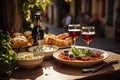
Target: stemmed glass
{"type": "Point", "coordinates": [88, 34]}
{"type": "Point", "coordinates": [74, 31]}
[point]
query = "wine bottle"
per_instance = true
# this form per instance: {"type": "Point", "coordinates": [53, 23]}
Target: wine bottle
{"type": "Point", "coordinates": [38, 32]}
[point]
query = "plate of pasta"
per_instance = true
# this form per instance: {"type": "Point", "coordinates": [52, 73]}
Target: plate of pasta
{"type": "Point", "coordinates": [80, 56]}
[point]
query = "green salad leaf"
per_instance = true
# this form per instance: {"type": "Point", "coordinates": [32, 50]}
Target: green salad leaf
{"type": "Point", "coordinates": [7, 56]}
{"type": "Point", "coordinates": [80, 51]}
{"type": "Point", "coordinates": [75, 51]}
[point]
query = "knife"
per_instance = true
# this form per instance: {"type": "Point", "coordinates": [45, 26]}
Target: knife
{"type": "Point", "coordinates": [94, 69]}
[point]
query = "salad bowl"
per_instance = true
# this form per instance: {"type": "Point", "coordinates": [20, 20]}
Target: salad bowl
{"type": "Point", "coordinates": [29, 60]}
{"type": "Point", "coordinates": [47, 50]}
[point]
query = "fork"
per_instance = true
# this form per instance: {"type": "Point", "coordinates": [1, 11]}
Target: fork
{"type": "Point", "coordinates": [94, 69]}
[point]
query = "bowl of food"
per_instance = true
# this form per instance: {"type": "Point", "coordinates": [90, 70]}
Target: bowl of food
{"type": "Point", "coordinates": [47, 50]}
{"type": "Point", "coordinates": [29, 60]}
{"type": "Point", "coordinates": [80, 56]}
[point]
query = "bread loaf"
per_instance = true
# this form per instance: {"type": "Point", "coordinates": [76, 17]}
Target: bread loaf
{"type": "Point", "coordinates": [19, 41]}
{"type": "Point", "coordinates": [60, 40]}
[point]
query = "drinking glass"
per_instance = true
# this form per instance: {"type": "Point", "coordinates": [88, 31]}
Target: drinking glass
{"type": "Point", "coordinates": [88, 34]}
{"type": "Point", "coordinates": [74, 31]}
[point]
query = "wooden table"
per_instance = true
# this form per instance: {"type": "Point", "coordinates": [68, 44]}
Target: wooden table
{"type": "Point", "coordinates": [55, 70]}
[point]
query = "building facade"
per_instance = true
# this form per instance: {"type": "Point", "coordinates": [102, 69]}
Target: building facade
{"type": "Point", "coordinates": [105, 10]}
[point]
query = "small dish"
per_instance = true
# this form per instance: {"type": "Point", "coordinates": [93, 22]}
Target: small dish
{"type": "Point", "coordinates": [29, 60]}
{"type": "Point", "coordinates": [47, 50]}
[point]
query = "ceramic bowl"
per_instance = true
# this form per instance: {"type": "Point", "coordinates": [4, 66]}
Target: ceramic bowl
{"type": "Point", "coordinates": [47, 50]}
{"type": "Point", "coordinates": [29, 60]}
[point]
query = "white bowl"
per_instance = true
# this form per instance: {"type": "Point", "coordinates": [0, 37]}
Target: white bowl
{"type": "Point", "coordinates": [81, 63]}
{"type": "Point", "coordinates": [48, 51]}
{"type": "Point", "coordinates": [29, 63]}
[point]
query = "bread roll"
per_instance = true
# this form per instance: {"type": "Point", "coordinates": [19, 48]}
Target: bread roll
{"type": "Point", "coordinates": [30, 40]}
{"type": "Point", "coordinates": [19, 41]}
{"type": "Point", "coordinates": [27, 33]}
{"type": "Point", "coordinates": [60, 40]}
{"type": "Point", "coordinates": [49, 41]}
{"type": "Point", "coordinates": [63, 36]}
{"type": "Point", "coordinates": [68, 40]}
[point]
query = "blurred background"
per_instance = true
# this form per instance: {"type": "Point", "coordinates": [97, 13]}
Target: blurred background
{"type": "Point", "coordinates": [18, 15]}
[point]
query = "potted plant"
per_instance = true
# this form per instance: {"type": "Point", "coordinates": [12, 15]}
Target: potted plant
{"type": "Point", "coordinates": [7, 56]}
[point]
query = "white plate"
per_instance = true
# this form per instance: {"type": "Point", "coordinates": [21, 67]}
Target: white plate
{"type": "Point", "coordinates": [81, 63]}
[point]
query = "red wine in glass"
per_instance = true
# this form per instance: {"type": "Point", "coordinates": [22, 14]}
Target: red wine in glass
{"type": "Point", "coordinates": [88, 34]}
{"type": "Point", "coordinates": [74, 33]}
{"type": "Point", "coordinates": [88, 37]}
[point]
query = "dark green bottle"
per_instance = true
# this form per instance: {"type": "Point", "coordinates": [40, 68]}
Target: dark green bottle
{"type": "Point", "coordinates": [37, 32]}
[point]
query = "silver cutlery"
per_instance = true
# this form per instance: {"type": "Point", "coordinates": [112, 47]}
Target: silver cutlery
{"type": "Point", "coordinates": [96, 68]}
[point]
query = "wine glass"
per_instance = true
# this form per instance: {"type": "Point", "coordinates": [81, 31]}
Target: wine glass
{"type": "Point", "coordinates": [88, 34]}
{"type": "Point", "coordinates": [74, 31]}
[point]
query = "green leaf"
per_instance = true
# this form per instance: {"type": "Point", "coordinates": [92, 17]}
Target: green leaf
{"type": "Point", "coordinates": [75, 51]}
{"type": "Point", "coordinates": [87, 52]}
{"type": "Point", "coordinates": [7, 56]}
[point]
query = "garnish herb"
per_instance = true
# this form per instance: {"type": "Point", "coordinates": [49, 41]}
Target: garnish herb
{"type": "Point", "coordinates": [7, 56]}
